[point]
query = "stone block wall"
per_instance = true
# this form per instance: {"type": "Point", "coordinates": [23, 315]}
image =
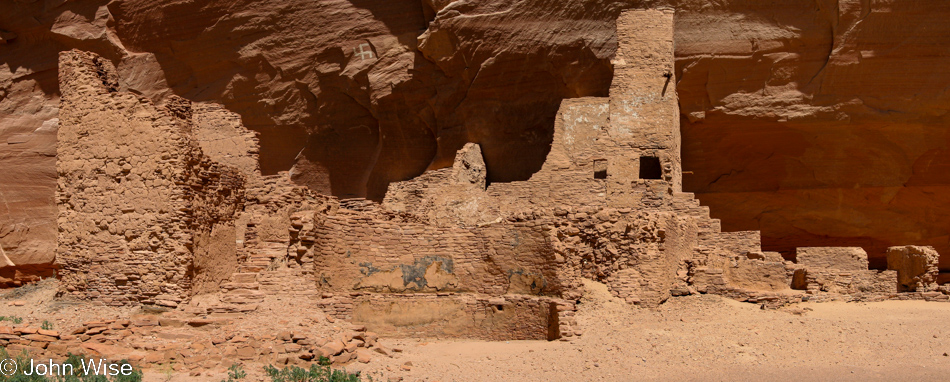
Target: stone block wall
{"type": "Point", "coordinates": [134, 193]}
{"type": "Point", "coordinates": [448, 197]}
{"type": "Point", "coordinates": [851, 282]}
{"type": "Point", "coordinates": [841, 258]}
{"type": "Point", "coordinates": [640, 255]}
{"type": "Point", "coordinates": [509, 317]}
{"type": "Point", "coordinates": [224, 139]}
{"type": "Point", "coordinates": [355, 252]}
{"type": "Point", "coordinates": [636, 253]}
{"type": "Point", "coordinates": [644, 110]}
{"type": "Point", "coordinates": [823, 271]}
{"type": "Point", "coordinates": [916, 267]}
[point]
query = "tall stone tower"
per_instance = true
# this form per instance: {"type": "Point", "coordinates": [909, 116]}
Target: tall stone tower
{"type": "Point", "coordinates": [143, 214]}
{"type": "Point", "coordinates": [644, 114]}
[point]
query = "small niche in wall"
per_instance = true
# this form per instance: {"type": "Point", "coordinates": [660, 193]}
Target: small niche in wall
{"type": "Point", "coordinates": [650, 168]}
{"type": "Point", "coordinates": [600, 169]}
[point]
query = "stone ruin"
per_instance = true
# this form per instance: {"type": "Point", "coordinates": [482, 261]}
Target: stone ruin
{"type": "Point", "coordinates": [143, 213]}
{"type": "Point", "coordinates": [161, 203]}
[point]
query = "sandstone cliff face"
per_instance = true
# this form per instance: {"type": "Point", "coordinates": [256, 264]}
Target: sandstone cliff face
{"type": "Point", "coordinates": [820, 123]}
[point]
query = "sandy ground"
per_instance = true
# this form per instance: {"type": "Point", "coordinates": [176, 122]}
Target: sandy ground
{"type": "Point", "coordinates": [698, 338]}
{"type": "Point", "coordinates": [707, 338]}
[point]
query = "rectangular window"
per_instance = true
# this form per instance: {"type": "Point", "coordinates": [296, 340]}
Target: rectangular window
{"type": "Point", "coordinates": [650, 168]}
{"type": "Point", "coordinates": [600, 169]}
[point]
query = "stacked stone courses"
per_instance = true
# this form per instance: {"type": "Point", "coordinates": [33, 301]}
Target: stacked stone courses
{"type": "Point", "coordinates": [158, 204]}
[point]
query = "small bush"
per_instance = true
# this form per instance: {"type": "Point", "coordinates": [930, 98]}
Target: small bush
{"type": "Point", "coordinates": [14, 319]}
{"type": "Point", "coordinates": [235, 373]}
{"type": "Point", "coordinates": [316, 373]}
{"type": "Point", "coordinates": [47, 325]}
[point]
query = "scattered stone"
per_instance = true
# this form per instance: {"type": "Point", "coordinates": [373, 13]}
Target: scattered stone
{"type": "Point", "coordinates": [363, 355]}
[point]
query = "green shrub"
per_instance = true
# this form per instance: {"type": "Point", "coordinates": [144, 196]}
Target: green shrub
{"type": "Point", "coordinates": [316, 373]}
{"type": "Point", "coordinates": [235, 373]}
{"type": "Point", "coordinates": [22, 361]}
{"type": "Point", "coordinates": [14, 319]}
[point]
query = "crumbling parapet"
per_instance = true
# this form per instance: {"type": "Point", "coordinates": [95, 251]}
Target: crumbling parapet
{"type": "Point", "coordinates": [224, 139]}
{"type": "Point", "coordinates": [916, 267]}
{"type": "Point", "coordinates": [450, 197]}
{"type": "Point", "coordinates": [840, 258]}
{"type": "Point", "coordinates": [143, 214]}
{"type": "Point", "coordinates": [827, 272]}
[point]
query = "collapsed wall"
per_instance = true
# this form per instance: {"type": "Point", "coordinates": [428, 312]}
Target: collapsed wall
{"type": "Point", "coordinates": [840, 270]}
{"type": "Point", "coordinates": [916, 267]}
{"type": "Point", "coordinates": [144, 216]}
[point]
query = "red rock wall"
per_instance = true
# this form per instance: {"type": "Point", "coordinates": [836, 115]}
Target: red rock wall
{"type": "Point", "coordinates": [818, 123]}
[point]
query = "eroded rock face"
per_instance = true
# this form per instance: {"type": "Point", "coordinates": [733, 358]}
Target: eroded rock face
{"type": "Point", "coordinates": [819, 123]}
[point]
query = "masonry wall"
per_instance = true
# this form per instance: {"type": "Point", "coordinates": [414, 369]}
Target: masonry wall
{"type": "Point", "coordinates": [224, 139]}
{"type": "Point", "coordinates": [644, 110]}
{"type": "Point", "coordinates": [357, 252]}
{"type": "Point", "coordinates": [134, 190]}
{"type": "Point", "coordinates": [841, 258]}
{"type": "Point", "coordinates": [636, 231]}
{"type": "Point", "coordinates": [461, 316]}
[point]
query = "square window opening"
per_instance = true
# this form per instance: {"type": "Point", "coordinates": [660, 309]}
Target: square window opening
{"type": "Point", "coordinates": [650, 168]}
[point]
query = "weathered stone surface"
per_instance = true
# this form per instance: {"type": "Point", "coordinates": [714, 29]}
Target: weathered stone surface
{"type": "Point", "coordinates": [818, 123]}
{"type": "Point", "coordinates": [840, 258]}
{"type": "Point", "coordinates": [150, 220]}
{"type": "Point", "coordinates": [916, 267]}
{"type": "Point", "coordinates": [606, 205]}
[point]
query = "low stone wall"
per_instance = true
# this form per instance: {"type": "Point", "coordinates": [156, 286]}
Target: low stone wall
{"type": "Point", "coordinates": [841, 271]}
{"type": "Point", "coordinates": [841, 258]}
{"type": "Point", "coordinates": [454, 315]}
